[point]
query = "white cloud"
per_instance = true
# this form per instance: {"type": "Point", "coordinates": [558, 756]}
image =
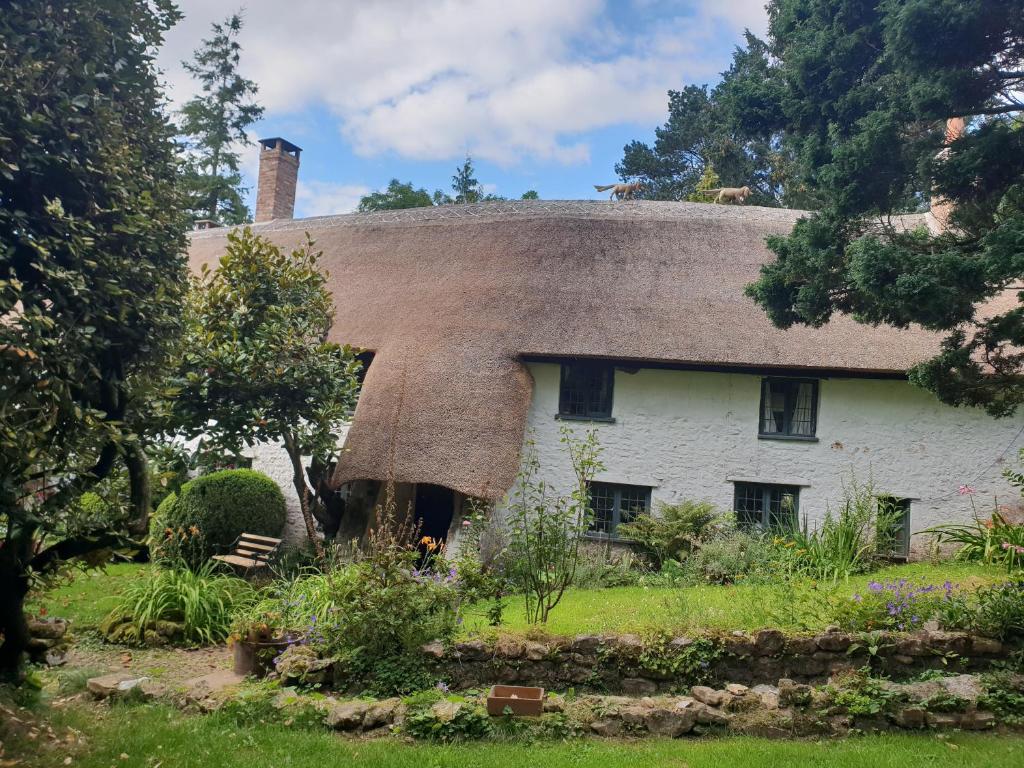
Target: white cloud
{"type": "Point", "coordinates": [432, 80]}
{"type": "Point", "coordinates": [323, 198]}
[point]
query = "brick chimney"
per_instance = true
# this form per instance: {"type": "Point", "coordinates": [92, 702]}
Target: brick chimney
{"type": "Point", "coordinates": [279, 171]}
{"type": "Point", "coordinates": [941, 208]}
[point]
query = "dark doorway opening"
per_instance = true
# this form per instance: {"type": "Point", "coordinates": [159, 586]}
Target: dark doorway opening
{"type": "Point", "coordinates": [435, 506]}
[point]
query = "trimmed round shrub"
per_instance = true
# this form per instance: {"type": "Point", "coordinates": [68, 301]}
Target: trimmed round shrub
{"type": "Point", "coordinates": [212, 511]}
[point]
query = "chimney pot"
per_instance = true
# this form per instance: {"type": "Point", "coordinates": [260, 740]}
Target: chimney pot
{"type": "Point", "coordinates": [279, 172]}
{"type": "Point", "coordinates": [940, 208]}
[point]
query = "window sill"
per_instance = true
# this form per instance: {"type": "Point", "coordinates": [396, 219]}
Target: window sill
{"type": "Point", "coordinates": [571, 417]}
{"type": "Point", "coordinates": [789, 438]}
{"type": "Point", "coordinates": [607, 538]}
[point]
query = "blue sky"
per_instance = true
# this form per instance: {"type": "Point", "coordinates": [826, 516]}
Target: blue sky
{"type": "Point", "coordinates": [542, 93]}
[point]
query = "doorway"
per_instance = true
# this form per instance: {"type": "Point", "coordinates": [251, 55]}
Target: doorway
{"type": "Point", "coordinates": [434, 509]}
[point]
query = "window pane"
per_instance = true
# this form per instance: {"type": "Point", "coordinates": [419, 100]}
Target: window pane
{"type": "Point", "coordinates": [633, 503]}
{"type": "Point", "coordinates": [749, 506]}
{"type": "Point", "coordinates": [803, 410]}
{"type": "Point", "coordinates": [894, 526]}
{"type": "Point", "coordinates": [586, 390]}
{"type": "Point", "coordinates": [602, 501]}
{"type": "Point", "coordinates": [782, 507]}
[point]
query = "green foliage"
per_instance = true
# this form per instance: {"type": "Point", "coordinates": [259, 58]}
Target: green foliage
{"type": "Point", "coordinates": [395, 197]}
{"type": "Point", "coordinates": [259, 704]}
{"type": "Point", "coordinates": [722, 137]}
{"type": "Point", "coordinates": [213, 510]}
{"type": "Point", "coordinates": [898, 605]}
{"type": "Point", "coordinates": [92, 265]}
{"type": "Point", "coordinates": [861, 94]}
{"type": "Point", "coordinates": [689, 664]}
{"type": "Point", "coordinates": [214, 123]}
{"type": "Point", "coordinates": [256, 366]}
{"type": "Point", "coordinates": [995, 610]}
{"type": "Point", "coordinates": [546, 527]}
{"type": "Point", "coordinates": [995, 540]}
{"type": "Point", "coordinates": [1004, 696]}
{"type": "Point", "coordinates": [854, 541]}
{"type": "Point", "coordinates": [202, 601]}
{"type": "Point", "coordinates": [859, 695]}
{"type": "Point", "coordinates": [459, 720]}
{"type": "Point", "coordinates": [673, 531]}
{"type": "Point", "coordinates": [729, 556]}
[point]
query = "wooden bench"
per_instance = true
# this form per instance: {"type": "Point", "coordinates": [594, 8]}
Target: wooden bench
{"type": "Point", "coordinates": [251, 551]}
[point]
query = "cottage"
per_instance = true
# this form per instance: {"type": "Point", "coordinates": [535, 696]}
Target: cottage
{"type": "Point", "coordinates": [490, 322]}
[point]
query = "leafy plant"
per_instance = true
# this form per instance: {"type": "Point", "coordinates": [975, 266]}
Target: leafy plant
{"type": "Point", "coordinates": [859, 695]}
{"type": "Point", "coordinates": [996, 610]}
{"type": "Point", "coordinates": [729, 555]}
{"type": "Point", "coordinates": [995, 540]}
{"type": "Point", "coordinates": [202, 601]}
{"type": "Point", "coordinates": [673, 532]}
{"type": "Point", "coordinates": [898, 605]}
{"type": "Point", "coordinates": [456, 719]}
{"type": "Point", "coordinates": [852, 541]}
{"type": "Point", "coordinates": [546, 528]}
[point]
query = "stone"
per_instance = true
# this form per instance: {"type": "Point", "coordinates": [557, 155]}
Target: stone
{"type": "Point", "coordinates": [445, 711]}
{"type": "Point", "coordinates": [607, 727]}
{"type": "Point", "coordinates": [942, 719]}
{"type": "Point", "coordinates": [633, 716]}
{"type": "Point", "coordinates": [509, 648]}
{"type": "Point", "coordinates": [629, 644]}
{"type": "Point", "coordinates": [709, 696]}
{"type": "Point", "coordinates": [50, 629]}
{"type": "Point", "coordinates": [200, 688]}
{"type": "Point", "coordinates": [834, 642]}
{"type": "Point", "coordinates": [801, 646]}
{"type": "Point", "coordinates": [671, 723]}
{"type": "Point", "coordinates": [711, 716]}
{"type": "Point", "coordinates": [794, 694]}
{"type": "Point", "coordinates": [912, 646]}
{"type": "Point", "coordinates": [911, 717]}
{"type": "Point", "coordinates": [585, 644]}
{"type": "Point", "coordinates": [536, 651]}
{"type": "Point", "coordinates": [745, 702]}
{"type": "Point", "coordinates": [986, 646]}
{"type": "Point", "coordinates": [678, 643]}
{"type": "Point", "coordinates": [768, 694]}
{"type": "Point", "coordinates": [473, 650]}
{"type": "Point", "coordinates": [346, 715]}
{"type": "Point", "coordinates": [300, 663]}
{"type": "Point", "coordinates": [554, 702]}
{"type": "Point", "coordinates": [738, 645]}
{"type": "Point", "coordinates": [957, 643]}
{"type": "Point", "coordinates": [434, 650]}
{"type": "Point", "coordinates": [105, 686]}
{"type": "Point", "coordinates": [381, 713]}
{"type": "Point", "coordinates": [769, 642]}
{"type": "Point", "coordinates": [977, 720]}
{"type": "Point", "coordinates": [736, 689]}
{"type": "Point", "coordinates": [638, 686]}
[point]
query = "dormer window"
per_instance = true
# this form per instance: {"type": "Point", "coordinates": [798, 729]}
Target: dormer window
{"type": "Point", "coordinates": [789, 408]}
{"type": "Point", "coordinates": [586, 390]}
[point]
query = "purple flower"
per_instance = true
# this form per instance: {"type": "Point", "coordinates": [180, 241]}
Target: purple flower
{"type": "Point", "coordinates": [442, 686]}
{"type": "Point", "coordinates": [857, 598]}
{"type": "Point", "coordinates": [874, 586]}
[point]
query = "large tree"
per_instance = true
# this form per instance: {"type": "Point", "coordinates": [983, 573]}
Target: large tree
{"type": "Point", "coordinates": [213, 126]}
{"type": "Point", "coordinates": [256, 365]}
{"type": "Point", "coordinates": [91, 267]}
{"type": "Point", "coordinates": [721, 128]}
{"type": "Point", "coordinates": [395, 197]}
{"type": "Point", "coordinates": [863, 92]}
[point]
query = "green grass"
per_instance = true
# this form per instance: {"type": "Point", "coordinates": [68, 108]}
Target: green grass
{"type": "Point", "coordinates": [90, 596]}
{"type": "Point", "coordinates": [157, 735]}
{"type": "Point", "coordinates": [87, 599]}
{"type": "Point", "coordinates": [743, 606]}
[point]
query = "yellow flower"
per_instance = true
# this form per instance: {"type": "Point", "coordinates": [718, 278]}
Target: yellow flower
{"type": "Point", "coordinates": [193, 530]}
{"type": "Point", "coordinates": [426, 540]}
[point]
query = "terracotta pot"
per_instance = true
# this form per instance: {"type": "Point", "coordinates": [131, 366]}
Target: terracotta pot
{"type": "Point", "coordinates": [521, 699]}
{"type": "Point", "coordinates": [256, 657]}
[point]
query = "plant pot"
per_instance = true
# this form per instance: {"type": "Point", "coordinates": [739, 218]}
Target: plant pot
{"type": "Point", "coordinates": [256, 657]}
{"type": "Point", "coordinates": [520, 699]}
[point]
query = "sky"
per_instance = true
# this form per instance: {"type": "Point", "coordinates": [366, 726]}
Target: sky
{"type": "Point", "coordinates": [543, 94]}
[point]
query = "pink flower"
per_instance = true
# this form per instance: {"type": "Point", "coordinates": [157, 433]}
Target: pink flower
{"type": "Point", "coordinates": [466, 523]}
{"type": "Point", "coordinates": [966, 490]}
{"type": "Point", "coordinates": [1005, 545]}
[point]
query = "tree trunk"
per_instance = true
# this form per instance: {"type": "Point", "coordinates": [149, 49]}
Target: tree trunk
{"type": "Point", "coordinates": [299, 481]}
{"type": "Point", "coordinates": [140, 492]}
{"type": "Point", "coordinates": [14, 584]}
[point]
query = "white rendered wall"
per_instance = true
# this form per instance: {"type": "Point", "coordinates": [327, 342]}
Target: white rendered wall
{"type": "Point", "coordinates": [271, 459]}
{"type": "Point", "coordinates": [688, 434]}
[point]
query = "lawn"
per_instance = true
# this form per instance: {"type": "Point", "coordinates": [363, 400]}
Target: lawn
{"type": "Point", "coordinates": [742, 606]}
{"type": "Point", "coordinates": [151, 735]}
{"type": "Point", "coordinates": [89, 596]}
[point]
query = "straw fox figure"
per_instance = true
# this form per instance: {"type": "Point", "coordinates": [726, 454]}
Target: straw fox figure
{"type": "Point", "coordinates": [728, 194]}
{"type": "Point", "coordinates": [621, 191]}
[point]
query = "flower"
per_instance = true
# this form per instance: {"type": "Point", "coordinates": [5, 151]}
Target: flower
{"type": "Point", "coordinates": [466, 523]}
{"type": "Point", "coordinates": [874, 586]}
{"type": "Point", "coordinates": [442, 686]}
{"type": "Point", "coordinates": [1005, 545]}
{"type": "Point", "coordinates": [965, 490]}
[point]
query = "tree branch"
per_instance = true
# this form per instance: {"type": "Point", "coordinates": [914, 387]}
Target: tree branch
{"type": "Point", "coordinates": [69, 549]}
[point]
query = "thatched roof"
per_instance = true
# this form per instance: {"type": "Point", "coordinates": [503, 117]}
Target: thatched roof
{"type": "Point", "coordinates": [451, 300]}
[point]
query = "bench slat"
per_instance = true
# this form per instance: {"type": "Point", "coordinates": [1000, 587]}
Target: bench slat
{"type": "Point", "coordinates": [267, 539]}
{"type": "Point", "coordinates": [244, 562]}
{"type": "Point", "coordinates": [244, 542]}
